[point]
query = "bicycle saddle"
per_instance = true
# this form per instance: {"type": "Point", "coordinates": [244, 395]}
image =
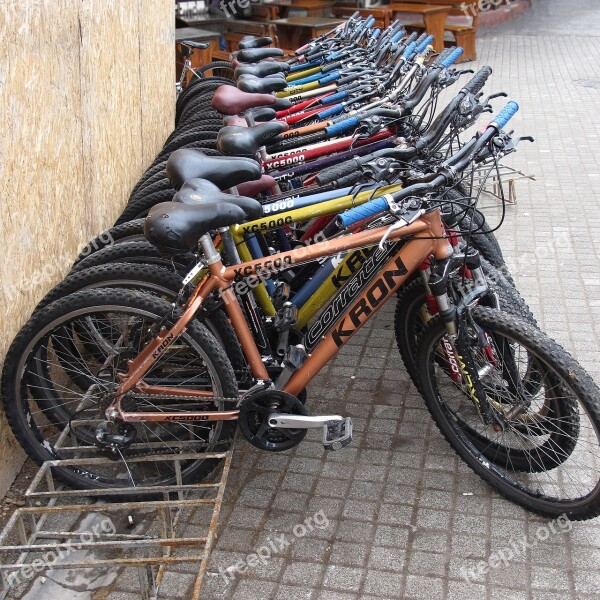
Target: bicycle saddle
{"type": "Point", "coordinates": [254, 55]}
{"type": "Point", "coordinates": [225, 172]}
{"type": "Point", "coordinates": [262, 114]}
{"type": "Point", "coordinates": [263, 69]}
{"type": "Point", "coordinates": [246, 141]}
{"type": "Point", "coordinates": [228, 100]}
{"type": "Point", "coordinates": [175, 228]}
{"type": "Point", "coordinates": [252, 188]}
{"type": "Point", "coordinates": [256, 85]}
{"type": "Point", "coordinates": [198, 45]}
{"type": "Point", "coordinates": [201, 191]}
{"type": "Point", "coordinates": [253, 42]}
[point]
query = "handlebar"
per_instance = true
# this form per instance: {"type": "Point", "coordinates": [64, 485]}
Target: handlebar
{"type": "Point", "coordinates": [373, 207]}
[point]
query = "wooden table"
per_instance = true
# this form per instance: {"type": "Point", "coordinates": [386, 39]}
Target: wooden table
{"type": "Point", "coordinates": [313, 8]}
{"type": "Point", "coordinates": [296, 31]}
{"type": "Point", "coordinates": [434, 18]}
{"type": "Point", "coordinates": [199, 57]}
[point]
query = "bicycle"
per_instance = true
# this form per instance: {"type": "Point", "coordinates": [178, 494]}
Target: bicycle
{"type": "Point", "coordinates": [145, 363]}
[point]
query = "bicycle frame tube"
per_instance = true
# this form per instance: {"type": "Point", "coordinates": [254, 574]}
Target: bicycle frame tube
{"type": "Point", "coordinates": [426, 237]}
{"type": "Point", "coordinates": [301, 214]}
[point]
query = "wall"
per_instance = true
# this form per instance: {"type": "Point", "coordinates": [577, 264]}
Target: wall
{"type": "Point", "coordinates": [86, 100]}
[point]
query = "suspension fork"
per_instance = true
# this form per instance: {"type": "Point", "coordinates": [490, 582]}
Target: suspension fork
{"type": "Point", "coordinates": [456, 343]}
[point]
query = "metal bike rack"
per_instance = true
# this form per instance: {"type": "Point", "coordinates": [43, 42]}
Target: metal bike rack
{"type": "Point", "coordinates": [64, 530]}
{"type": "Point", "coordinates": [493, 181]}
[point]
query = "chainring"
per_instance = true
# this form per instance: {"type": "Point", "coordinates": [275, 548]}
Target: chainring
{"type": "Point", "coordinates": [254, 420]}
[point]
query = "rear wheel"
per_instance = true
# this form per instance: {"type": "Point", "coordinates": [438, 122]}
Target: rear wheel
{"type": "Point", "coordinates": [546, 457]}
{"type": "Point", "coordinates": [55, 407]}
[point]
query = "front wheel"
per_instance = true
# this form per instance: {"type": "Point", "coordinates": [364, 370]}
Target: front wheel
{"type": "Point", "coordinates": [546, 455]}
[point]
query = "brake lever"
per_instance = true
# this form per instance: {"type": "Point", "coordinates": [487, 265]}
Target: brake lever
{"type": "Point", "coordinates": [496, 95]}
{"type": "Point", "coordinates": [465, 72]}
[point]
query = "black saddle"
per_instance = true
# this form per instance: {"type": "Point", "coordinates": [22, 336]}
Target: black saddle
{"type": "Point", "coordinates": [263, 69]}
{"type": "Point", "coordinates": [246, 141]}
{"type": "Point", "coordinates": [254, 55]}
{"type": "Point", "coordinates": [175, 228]}
{"type": "Point", "coordinates": [253, 42]}
{"type": "Point", "coordinates": [262, 114]}
{"type": "Point", "coordinates": [264, 85]}
{"type": "Point", "coordinates": [201, 191]}
{"type": "Point", "coordinates": [225, 172]}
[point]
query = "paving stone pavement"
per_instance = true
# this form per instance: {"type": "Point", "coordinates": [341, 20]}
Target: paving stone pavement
{"type": "Point", "coordinates": [397, 515]}
{"type": "Point", "coordinates": [405, 516]}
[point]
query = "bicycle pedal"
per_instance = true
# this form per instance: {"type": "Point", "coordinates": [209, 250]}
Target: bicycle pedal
{"type": "Point", "coordinates": [337, 434]}
{"type": "Point", "coordinates": [337, 431]}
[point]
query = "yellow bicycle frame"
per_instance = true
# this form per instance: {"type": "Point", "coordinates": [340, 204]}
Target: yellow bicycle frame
{"type": "Point", "coordinates": [328, 287]}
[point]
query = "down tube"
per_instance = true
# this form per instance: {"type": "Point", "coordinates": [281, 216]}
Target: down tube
{"type": "Point", "coordinates": [396, 271]}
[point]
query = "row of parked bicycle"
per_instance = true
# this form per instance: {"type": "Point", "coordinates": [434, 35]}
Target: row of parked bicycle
{"type": "Point", "coordinates": [294, 198]}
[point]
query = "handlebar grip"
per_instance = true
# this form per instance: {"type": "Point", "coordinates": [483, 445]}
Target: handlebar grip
{"type": "Point", "coordinates": [476, 84]}
{"type": "Point", "coordinates": [506, 114]}
{"type": "Point", "coordinates": [342, 126]}
{"type": "Point", "coordinates": [360, 213]}
{"type": "Point", "coordinates": [398, 36]}
{"type": "Point", "coordinates": [334, 98]}
{"type": "Point", "coordinates": [452, 57]}
{"type": "Point", "coordinates": [428, 40]}
{"type": "Point", "coordinates": [349, 179]}
{"type": "Point", "coordinates": [442, 56]}
{"type": "Point", "coordinates": [411, 38]}
{"type": "Point", "coordinates": [409, 50]}
{"type": "Point", "coordinates": [330, 78]}
{"type": "Point", "coordinates": [335, 173]}
{"type": "Point", "coordinates": [332, 66]}
{"type": "Point", "coordinates": [330, 112]}
{"type": "Point", "coordinates": [332, 56]}
{"type": "Point", "coordinates": [370, 22]}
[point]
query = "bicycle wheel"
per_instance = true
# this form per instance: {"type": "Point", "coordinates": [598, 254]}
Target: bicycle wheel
{"type": "Point", "coordinates": [153, 280]}
{"type": "Point", "coordinates": [137, 252]}
{"type": "Point", "coordinates": [553, 433]}
{"type": "Point", "coordinates": [411, 314]}
{"type": "Point", "coordinates": [53, 417]}
{"type": "Point", "coordinates": [130, 231]}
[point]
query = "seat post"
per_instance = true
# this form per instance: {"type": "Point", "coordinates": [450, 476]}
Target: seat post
{"type": "Point", "coordinates": [208, 249]}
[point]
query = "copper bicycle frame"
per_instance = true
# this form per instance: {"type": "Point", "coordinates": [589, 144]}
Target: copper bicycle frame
{"type": "Point", "coordinates": [427, 237]}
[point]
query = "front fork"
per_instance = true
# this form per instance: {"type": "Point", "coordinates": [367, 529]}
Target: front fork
{"type": "Point", "coordinates": [456, 344]}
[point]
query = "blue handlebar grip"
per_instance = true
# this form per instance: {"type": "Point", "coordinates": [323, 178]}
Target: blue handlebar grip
{"type": "Point", "coordinates": [359, 213]}
{"type": "Point", "coordinates": [398, 36]}
{"type": "Point", "coordinates": [330, 112]}
{"type": "Point", "coordinates": [376, 33]}
{"type": "Point", "coordinates": [409, 50]}
{"type": "Point", "coordinates": [506, 114]}
{"type": "Point", "coordinates": [370, 22]}
{"type": "Point", "coordinates": [342, 126]}
{"type": "Point", "coordinates": [428, 40]}
{"type": "Point", "coordinates": [452, 57]}
{"type": "Point", "coordinates": [334, 98]}
{"type": "Point", "coordinates": [332, 56]}
{"type": "Point", "coordinates": [330, 78]}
